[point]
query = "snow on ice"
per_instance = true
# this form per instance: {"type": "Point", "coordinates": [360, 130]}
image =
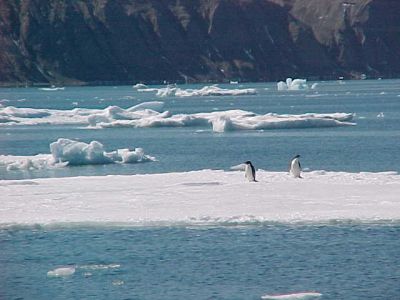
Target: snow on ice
{"type": "Point", "coordinates": [206, 197]}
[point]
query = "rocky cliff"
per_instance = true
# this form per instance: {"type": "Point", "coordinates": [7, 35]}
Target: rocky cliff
{"type": "Point", "coordinates": [104, 41]}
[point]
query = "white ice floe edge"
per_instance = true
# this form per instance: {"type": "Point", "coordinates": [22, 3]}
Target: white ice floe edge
{"type": "Point", "coordinates": [140, 225]}
{"type": "Point", "coordinates": [66, 271]}
{"type": "Point", "coordinates": [297, 296]}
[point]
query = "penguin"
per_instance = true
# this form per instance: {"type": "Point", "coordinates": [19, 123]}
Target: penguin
{"type": "Point", "coordinates": [295, 167]}
{"type": "Point", "coordinates": [250, 172]}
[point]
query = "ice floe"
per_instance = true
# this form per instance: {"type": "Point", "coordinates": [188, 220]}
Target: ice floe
{"type": "Point", "coordinates": [139, 86]}
{"type": "Point", "coordinates": [222, 121]}
{"type": "Point", "coordinates": [202, 198]}
{"type": "Point", "coordinates": [61, 272]}
{"type": "Point", "coordinates": [52, 89]}
{"type": "Point", "coordinates": [297, 296]}
{"type": "Point", "coordinates": [71, 270]}
{"type": "Point", "coordinates": [69, 152]}
{"type": "Point", "coordinates": [293, 85]}
{"type": "Point", "coordinates": [148, 114]}
{"type": "Point", "coordinates": [11, 115]}
{"type": "Point", "coordinates": [94, 267]}
{"type": "Point", "coordinates": [213, 90]}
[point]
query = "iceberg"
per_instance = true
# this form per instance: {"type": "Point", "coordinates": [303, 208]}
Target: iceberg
{"type": "Point", "coordinates": [66, 152]}
{"type": "Point", "coordinates": [293, 85]}
{"type": "Point", "coordinates": [202, 198]}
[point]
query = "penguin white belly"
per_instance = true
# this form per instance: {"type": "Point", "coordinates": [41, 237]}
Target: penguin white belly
{"type": "Point", "coordinates": [249, 173]}
{"type": "Point", "coordinates": [295, 168]}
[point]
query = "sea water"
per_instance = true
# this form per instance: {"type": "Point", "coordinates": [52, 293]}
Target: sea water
{"type": "Point", "coordinates": [339, 261]}
{"type": "Point", "coordinates": [352, 261]}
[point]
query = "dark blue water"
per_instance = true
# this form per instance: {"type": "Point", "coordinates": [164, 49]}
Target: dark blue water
{"type": "Point", "coordinates": [372, 145]}
{"type": "Point", "coordinates": [341, 262]}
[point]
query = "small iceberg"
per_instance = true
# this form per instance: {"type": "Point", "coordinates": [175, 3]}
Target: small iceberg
{"type": "Point", "coordinates": [80, 153]}
{"type": "Point", "coordinates": [61, 272]}
{"type": "Point", "coordinates": [293, 85]}
{"type": "Point", "coordinates": [66, 152]}
{"type": "Point", "coordinates": [297, 296]}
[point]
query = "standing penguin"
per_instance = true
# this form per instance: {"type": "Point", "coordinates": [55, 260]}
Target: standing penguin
{"type": "Point", "coordinates": [295, 167]}
{"type": "Point", "coordinates": [250, 172]}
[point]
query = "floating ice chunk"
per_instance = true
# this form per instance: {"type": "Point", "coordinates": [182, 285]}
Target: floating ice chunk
{"type": "Point", "coordinates": [282, 86]}
{"type": "Point", "coordinates": [68, 152]}
{"type": "Point", "coordinates": [302, 296]}
{"type": "Point", "coordinates": [140, 86]}
{"type": "Point", "coordinates": [222, 121]}
{"type": "Point", "coordinates": [79, 153]}
{"type": "Point", "coordinates": [380, 115]}
{"type": "Point", "coordinates": [113, 113]}
{"type": "Point", "coordinates": [78, 116]}
{"type": "Point", "coordinates": [167, 91]}
{"type": "Point", "coordinates": [24, 112]}
{"type": "Point", "coordinates": [26, 163]}
{"type": "Point", "coordinates": [52, 89]}
{"type": "Point", "coordinates": [100, 267]}
{"type": "Point", "coordinates": [61, 272]}
{"type": "Point", "coordinates": [213, 90]}
{"type": "Point", "coordinates": [147, 115]}
{"type": "Point", "coordinates": [127, 156]}
{"type": "Point", "coordinates": [118, 282]}
{"type": "Point", "coordinates": [314, 86]}
{"type": "Point", "coordinates": [153, 105]}
{"type": "Point", "coordinates": [293, 85]}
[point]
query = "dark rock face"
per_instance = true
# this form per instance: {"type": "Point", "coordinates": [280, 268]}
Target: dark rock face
{"type": "Point", "coordinates": [73, 42]}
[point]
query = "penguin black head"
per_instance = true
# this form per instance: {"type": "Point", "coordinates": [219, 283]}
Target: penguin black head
{"type": "Point", "coordinates": [248, 162]}
{"type": "Point", "coordinates": [297, 156]}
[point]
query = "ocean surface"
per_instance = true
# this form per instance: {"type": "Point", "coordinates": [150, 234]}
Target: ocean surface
{"type": "Point", "coordinates": [340, 261]}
